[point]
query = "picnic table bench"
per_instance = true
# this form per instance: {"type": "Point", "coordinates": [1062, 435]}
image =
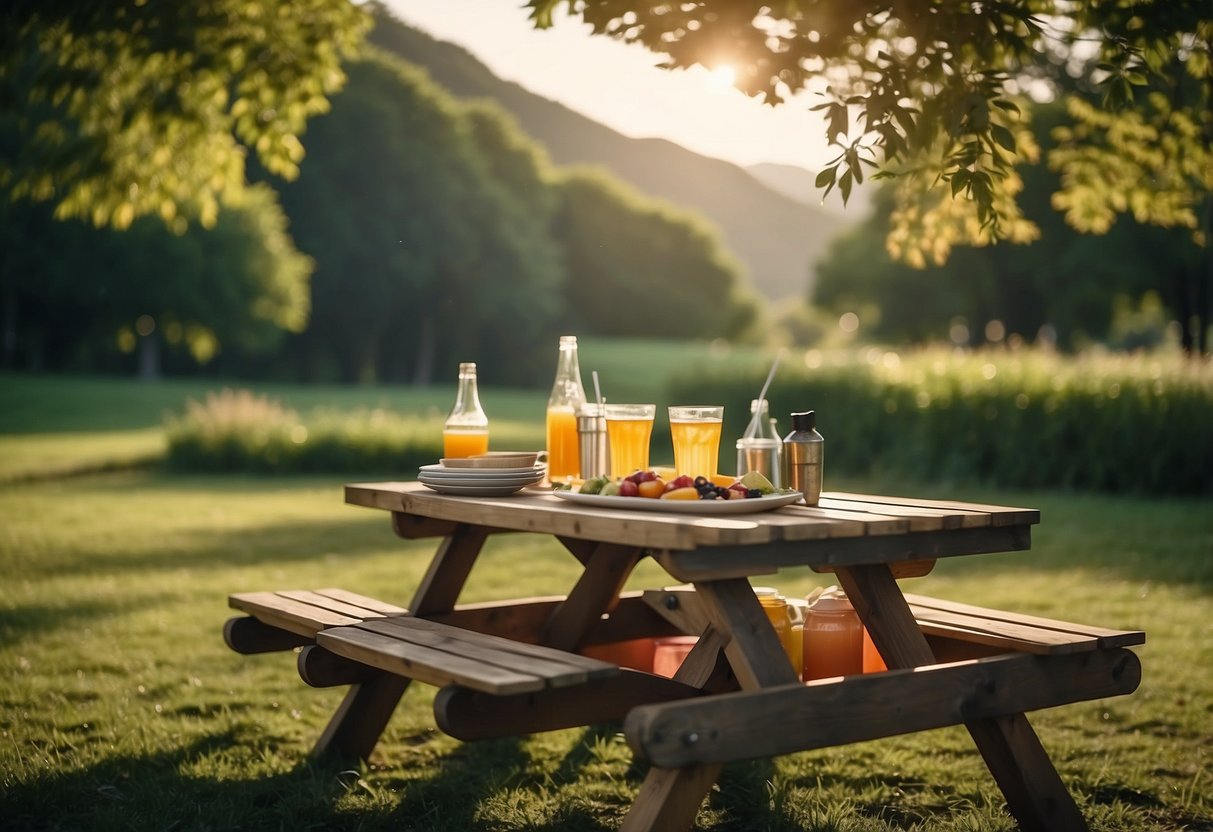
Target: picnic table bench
{"type": "Point", "coordinates": [514, 667]}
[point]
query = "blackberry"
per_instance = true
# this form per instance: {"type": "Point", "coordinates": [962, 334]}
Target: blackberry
{"type": "Point", "coordinates": [751, 493]}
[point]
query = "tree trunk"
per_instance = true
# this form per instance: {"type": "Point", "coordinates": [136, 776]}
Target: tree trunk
{"type": "Point", "coordinates": [149, 357]}
{"type": "Point", "coordinates": [423, 373]}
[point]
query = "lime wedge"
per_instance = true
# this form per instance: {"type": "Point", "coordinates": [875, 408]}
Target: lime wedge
{"type": "Point", "coordinates": [755, 479]}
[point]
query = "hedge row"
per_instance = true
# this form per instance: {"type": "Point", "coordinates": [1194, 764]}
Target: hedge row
{"type": "Point", "coordinates": [1025, 418]}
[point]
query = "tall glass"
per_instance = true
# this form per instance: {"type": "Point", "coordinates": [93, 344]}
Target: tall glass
{"type": "Point", "coordinates": [695, 431]}
{"type": "Point", "coordinates": [629, 427]}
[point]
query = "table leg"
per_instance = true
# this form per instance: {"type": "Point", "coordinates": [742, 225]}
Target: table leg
{"type": "Point", "coordinates": [1035, 795]}
{"type": "Point", "coordinates": [363, 715]}
{"type": "Point", "coordinates": [669, 798]}
{"type": "Point", "coordinates": [607, 569]}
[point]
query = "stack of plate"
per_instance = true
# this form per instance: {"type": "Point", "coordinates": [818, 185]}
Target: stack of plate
{"type": "Point", "coordinates": [479, 482]}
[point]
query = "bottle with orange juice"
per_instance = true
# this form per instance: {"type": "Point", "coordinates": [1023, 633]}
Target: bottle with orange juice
{"type": "Point", "coordinates": [466, 432]}
{"type": "Point", "coordinates": [568, 396]}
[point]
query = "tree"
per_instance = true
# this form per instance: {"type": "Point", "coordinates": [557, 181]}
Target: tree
{"type": "Point", "coordinates": [133, 108]}
{"type": "Point", "coordinates": [1069, 282]}
{"type": "Point", "coordinates": [428, 220]}
{"type": "Point", "coordinates": [71, 294]}
{"type": "Point", "coordinates": [932, 92]}
{"type": "Point", "coordinates": [640, 267]}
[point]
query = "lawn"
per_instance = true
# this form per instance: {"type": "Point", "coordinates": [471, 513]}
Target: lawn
{"type": "Point", "coordinates": [120, 707]}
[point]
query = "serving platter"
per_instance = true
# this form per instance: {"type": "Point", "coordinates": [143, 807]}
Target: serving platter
{"type": "Point", "coordinates": [751, 505]}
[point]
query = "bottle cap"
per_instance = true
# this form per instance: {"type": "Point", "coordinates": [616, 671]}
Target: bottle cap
{"type": "Point", "coordinates": [805, 420]}
{"type": "Point", "coordinates": [832, 600]}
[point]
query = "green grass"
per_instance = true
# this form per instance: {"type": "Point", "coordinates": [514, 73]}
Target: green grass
{"type": "Point", "coordinates": [121, 708]}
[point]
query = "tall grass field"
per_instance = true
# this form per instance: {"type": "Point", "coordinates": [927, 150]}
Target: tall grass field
{"type": "Point", "coordinates": [122, 709]}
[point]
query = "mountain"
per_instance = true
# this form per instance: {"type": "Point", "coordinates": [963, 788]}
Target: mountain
{"type": "Point", "coordinates": [776, 238]}
{"type": "Point", "coordinates": [799, 184]}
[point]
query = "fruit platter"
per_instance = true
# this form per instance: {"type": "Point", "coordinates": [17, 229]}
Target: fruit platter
{"type": "Point", "coordinates": [683, 494]}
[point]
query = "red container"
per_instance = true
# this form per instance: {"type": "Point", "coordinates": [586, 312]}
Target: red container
{"type": "Point", "coordinates": [636, 653]}
{"type": "Point", "coordinates": [670, 653]}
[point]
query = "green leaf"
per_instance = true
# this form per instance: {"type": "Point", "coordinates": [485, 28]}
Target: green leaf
{"type": "Point", "coordinates": [826, 177]}
{"type": "Point", "coordinates": [960, 181]}
{"type": "Point", "coordinates": [1003, 136]}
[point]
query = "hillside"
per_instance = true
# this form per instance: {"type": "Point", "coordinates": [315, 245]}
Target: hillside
{"type": "Point", "coordinates": [776, 238]}
{"type": "Point", "coordinates": [798, 184]}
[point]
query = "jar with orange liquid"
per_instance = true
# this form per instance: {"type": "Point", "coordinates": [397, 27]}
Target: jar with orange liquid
{"type": "Point", "coordinates": [833, 637]}
{"type": "Point", "coordinates": [466, 432]}
{"type": "Point", "coordinates": [568, 396]}
{"type": "Point", "coordinates": [783, 619]}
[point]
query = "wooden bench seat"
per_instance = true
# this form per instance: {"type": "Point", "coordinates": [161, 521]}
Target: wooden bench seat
{"type": "Point", "coordinates": [355, 633]}
{"type": "Point", "coordinates": [291, 618]}
{"type": "Point", "coordinates": [990, 631]}
{"type": "Point", "coordinates": [955, 631]}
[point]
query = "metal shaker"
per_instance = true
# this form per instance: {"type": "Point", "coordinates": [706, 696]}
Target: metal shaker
{"type": "Point", "coordinates": [803, 450]}
{"type": "Point", "coordinates": [592, 447]}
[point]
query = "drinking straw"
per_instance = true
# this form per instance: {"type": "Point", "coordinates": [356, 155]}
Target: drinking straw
{"type": "Point", "coordinates": [753, 428]}
{"type": "Point", "coordinates": [597, 389]}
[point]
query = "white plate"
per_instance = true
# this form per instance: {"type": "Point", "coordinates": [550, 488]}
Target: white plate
{"type": "Point", "coordinates": [470, 476]}
{"type": "Point", "coordinates": [716, 507]}
{"type": "Point", "coordinates": [475, 490]}
{"type": "Point", "coordinates": [480, 473]}
{"type": "Point", "coordinates": [457, 482]}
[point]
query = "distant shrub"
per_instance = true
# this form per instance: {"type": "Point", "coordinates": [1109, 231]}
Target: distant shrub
{"type": "Point", "coordinates": [238, 431]}
{"type": "Point", "coordinates": [1022, 418]}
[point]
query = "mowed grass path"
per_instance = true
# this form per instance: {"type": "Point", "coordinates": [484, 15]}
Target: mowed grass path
{"type": "Point", "coordinates": [120, 707]}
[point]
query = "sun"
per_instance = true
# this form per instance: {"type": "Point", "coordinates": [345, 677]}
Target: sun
{"type": "Point", "coordinates": [722, 77]}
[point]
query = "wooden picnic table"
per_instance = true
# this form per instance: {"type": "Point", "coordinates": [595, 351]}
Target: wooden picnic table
{"type": "Point", "coordinates": [514, 667]}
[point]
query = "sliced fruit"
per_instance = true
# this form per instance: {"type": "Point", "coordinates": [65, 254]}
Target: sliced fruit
{"type": "Point", "coordinates": [611, 489]}
{"type": "Point", "coordinates": [666, 474]}
{"type": "Point", "coordinates": [679, 482]}
{"type": "Point", "coordinates": [627, 488]}
{"type": "Point", "coordinates": [723, 480]}
{"type": "Point", "coordinates": [651, 488]}
{"type": "Point", "coordinates": [755, 479]}
{"type": "Point", "coordinates": [594, 485]}
{"type": "Point", "coordinates": [686, 493]}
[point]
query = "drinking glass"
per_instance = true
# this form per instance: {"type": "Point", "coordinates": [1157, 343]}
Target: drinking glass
{"type": "Point", "coordinates": [629, 427]}
{"type": "Point", "coordinates": [695, 430]}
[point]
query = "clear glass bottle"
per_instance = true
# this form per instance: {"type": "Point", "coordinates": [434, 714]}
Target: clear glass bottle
{"type": "Point", "coordinates": [761, 449]}
{"type": "Point", "coordinates": [466, 432]}
{"type": "Point", "coordinates": [568, 397]}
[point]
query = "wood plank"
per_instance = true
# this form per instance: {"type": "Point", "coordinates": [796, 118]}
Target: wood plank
{"type": "Point", "coordinates": [471, 715]}
{"type": "Point", "coordinates": [315, 599]}
{"type": "Point", "coordinates": [424, 664]}
{"type": "Point", "coordinates": [870, 523]}
{"type": "Point", "coordinates": [415, 527]}
{"type": "Point", "coordinates": [830, 712]}
{"type": "Point", "coordinates": [295, 616]}
{"type": "Point", "coordinates": [922, 519]}
{"type": "Point", "coordinates": [364, 601]}
{"type": "Point", "coordinates": [1104, 636]}
{"type": "Point", "coordinates": [999, 515]}
{"type": "Point", "coordinates": [1004, 634]}
{"type": "Point", "coordinates": [556, 666]}
{"type": "Point", "coordinates": [744, 561]}
{"type": "Point", "coordinates": [355, 727]}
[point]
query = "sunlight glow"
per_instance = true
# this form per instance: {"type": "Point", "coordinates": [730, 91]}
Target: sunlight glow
{"type": "Point", "coordinates": [722, 77]}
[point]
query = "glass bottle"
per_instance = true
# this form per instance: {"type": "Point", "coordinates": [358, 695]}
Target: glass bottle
{"type": "Point", "coordinates": [568, 396]}
{"type": "Point", "coordinates": [466, 432]}
{"type": "Point", "coordinates": [761, 449]}
{"type": "Point", "coordinates": [780, 615]}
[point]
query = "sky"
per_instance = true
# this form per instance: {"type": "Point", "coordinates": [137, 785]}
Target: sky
{"type": "Point", "coordinates": [620, 85]}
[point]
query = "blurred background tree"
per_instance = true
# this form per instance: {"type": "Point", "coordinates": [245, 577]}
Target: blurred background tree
{"type": "Point", "coordinates": [138, 108]}
{"type": "Point", "coordinates": [934, 94]}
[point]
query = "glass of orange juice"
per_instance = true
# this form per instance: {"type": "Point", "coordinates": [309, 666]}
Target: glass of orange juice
{"type": "Point", "coordinates": [695, 431]}
{"type": "Point", "coordinates": [562, 443]}
{"type": "Point", "coordinates": [629, 427]}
